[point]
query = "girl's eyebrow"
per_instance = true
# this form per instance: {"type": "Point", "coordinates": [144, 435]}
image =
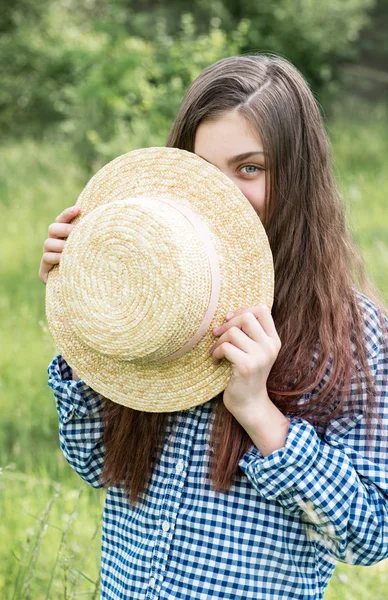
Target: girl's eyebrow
{"type": "Point", "coordinates": [243, 156]}
{"type": "Point", "coordinates": [237, 158]}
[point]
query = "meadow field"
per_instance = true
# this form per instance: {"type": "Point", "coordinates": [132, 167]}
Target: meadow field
{"type": "Point", "coordinates": [49, 519]}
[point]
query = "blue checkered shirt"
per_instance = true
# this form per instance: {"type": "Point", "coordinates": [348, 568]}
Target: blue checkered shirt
{"type": "Point", "coordinates": [275, 535]}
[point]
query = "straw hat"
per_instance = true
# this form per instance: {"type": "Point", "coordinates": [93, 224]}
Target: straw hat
{"type": "Point", "coordinates": [165, 245]}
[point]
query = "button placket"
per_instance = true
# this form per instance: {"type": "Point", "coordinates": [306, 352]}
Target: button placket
{"type": "Point", "coordinates": [166, 531]}
{"type": "Point", "coordinates": [180, 465]}
{"type": "Point", "coordinates": [165, 526]}
{"type": "Point", "coordinates": [154, 588]}
{"type": "Point", "coordinates": [174, 487]}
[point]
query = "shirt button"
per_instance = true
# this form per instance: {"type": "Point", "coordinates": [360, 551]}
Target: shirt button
{"type": "Point", "coordinates": [152, 581]}
{"type": "Point", "coordinates": [165, 526]}
{"type": "Point", "coordinates": [179, 466]}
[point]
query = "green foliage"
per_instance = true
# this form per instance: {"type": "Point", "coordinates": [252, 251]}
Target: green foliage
{"type": "Point", "coordinates": [369, 78]}
{"type": "Point", "coordinates": [123, 101]}
{"type": "Point", "coordinates": [110, 75]}
{"type": "Point", "coordinates": [374, 41]}
{"type": "Point", "coordinates": [316, 36]}
{"type": "Point", "coordinates": [111, 92]}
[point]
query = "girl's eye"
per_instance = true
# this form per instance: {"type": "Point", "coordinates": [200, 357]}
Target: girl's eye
{"type": "Point", "coordinates": [250, 169]}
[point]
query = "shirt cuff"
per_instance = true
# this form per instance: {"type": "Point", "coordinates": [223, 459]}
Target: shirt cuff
{"type": "Point", "coordinates": [73, 397]}
{"type": "Point", "coordinates": [279, 472]}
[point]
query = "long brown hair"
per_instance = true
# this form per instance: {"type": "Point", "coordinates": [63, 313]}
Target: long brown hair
{"type": "Point", "coordinates": [315, 308]}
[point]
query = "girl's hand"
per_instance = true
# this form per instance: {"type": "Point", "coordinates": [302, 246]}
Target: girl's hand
{"type": "Point", "coordinates": [58, 233]}
{"type": "Point", "coordinates": [249, 340]}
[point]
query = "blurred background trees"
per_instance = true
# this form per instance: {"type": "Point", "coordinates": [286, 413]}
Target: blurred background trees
{"type": "Point", "coordinates": [110, 75]}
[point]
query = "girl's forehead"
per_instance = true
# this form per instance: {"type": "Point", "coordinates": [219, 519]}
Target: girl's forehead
{"type": "Point", "coordinates": [227, 135]}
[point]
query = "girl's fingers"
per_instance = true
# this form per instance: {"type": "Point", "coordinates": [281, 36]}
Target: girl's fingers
{"type": "Point", "coordinates": [230, 352]}
{"type": "Point", "coordinates": [60, 230]}
{"type": "Point", "coordinates": [51, 258]}
{"type": "Point", "coordinates": [67, 215]}
{"type": "Point", "coordinates": [53, 245]}
{"type": "Point", "coordinates": [263, 316]}
{"type": "Point", "coordinates": [238, 339]}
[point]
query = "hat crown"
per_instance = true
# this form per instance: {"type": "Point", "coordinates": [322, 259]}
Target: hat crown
{"type": "Point", "coordinates": [140, 275]}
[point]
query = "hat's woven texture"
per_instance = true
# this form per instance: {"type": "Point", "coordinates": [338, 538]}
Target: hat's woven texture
{"type": "Point", "coordinates": [134, 282]}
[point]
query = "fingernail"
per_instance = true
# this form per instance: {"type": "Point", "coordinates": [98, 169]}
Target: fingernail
{"type": "Point", "coordinates": [229, 315]}
{"type": "Point", "coordinates": [216, 330]}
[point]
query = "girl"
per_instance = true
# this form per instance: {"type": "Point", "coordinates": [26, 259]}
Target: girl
{"type": "Point", "coordinates": [297, 442]}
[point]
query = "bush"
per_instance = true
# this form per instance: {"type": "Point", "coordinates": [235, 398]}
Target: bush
{"type": "Point", "coordinates": [111, 75]}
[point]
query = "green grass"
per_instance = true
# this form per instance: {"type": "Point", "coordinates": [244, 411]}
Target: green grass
{"type": "Point", "coordinates": [50, 537]}
{"type": "Point", "coordinates": [360, 153]}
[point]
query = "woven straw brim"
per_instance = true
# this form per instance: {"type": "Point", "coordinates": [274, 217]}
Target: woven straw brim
{"type": "Point", "coordinates": [106, 295]}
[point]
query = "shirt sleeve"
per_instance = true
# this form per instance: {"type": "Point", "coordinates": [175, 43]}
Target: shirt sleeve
{"type": "Point", "coordinates": [337, 483]}
{"type": "Point", "coordinates": [80, 421]}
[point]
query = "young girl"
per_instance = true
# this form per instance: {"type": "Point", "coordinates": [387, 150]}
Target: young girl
{"type": "Point", "coordinates": [297, 443]}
